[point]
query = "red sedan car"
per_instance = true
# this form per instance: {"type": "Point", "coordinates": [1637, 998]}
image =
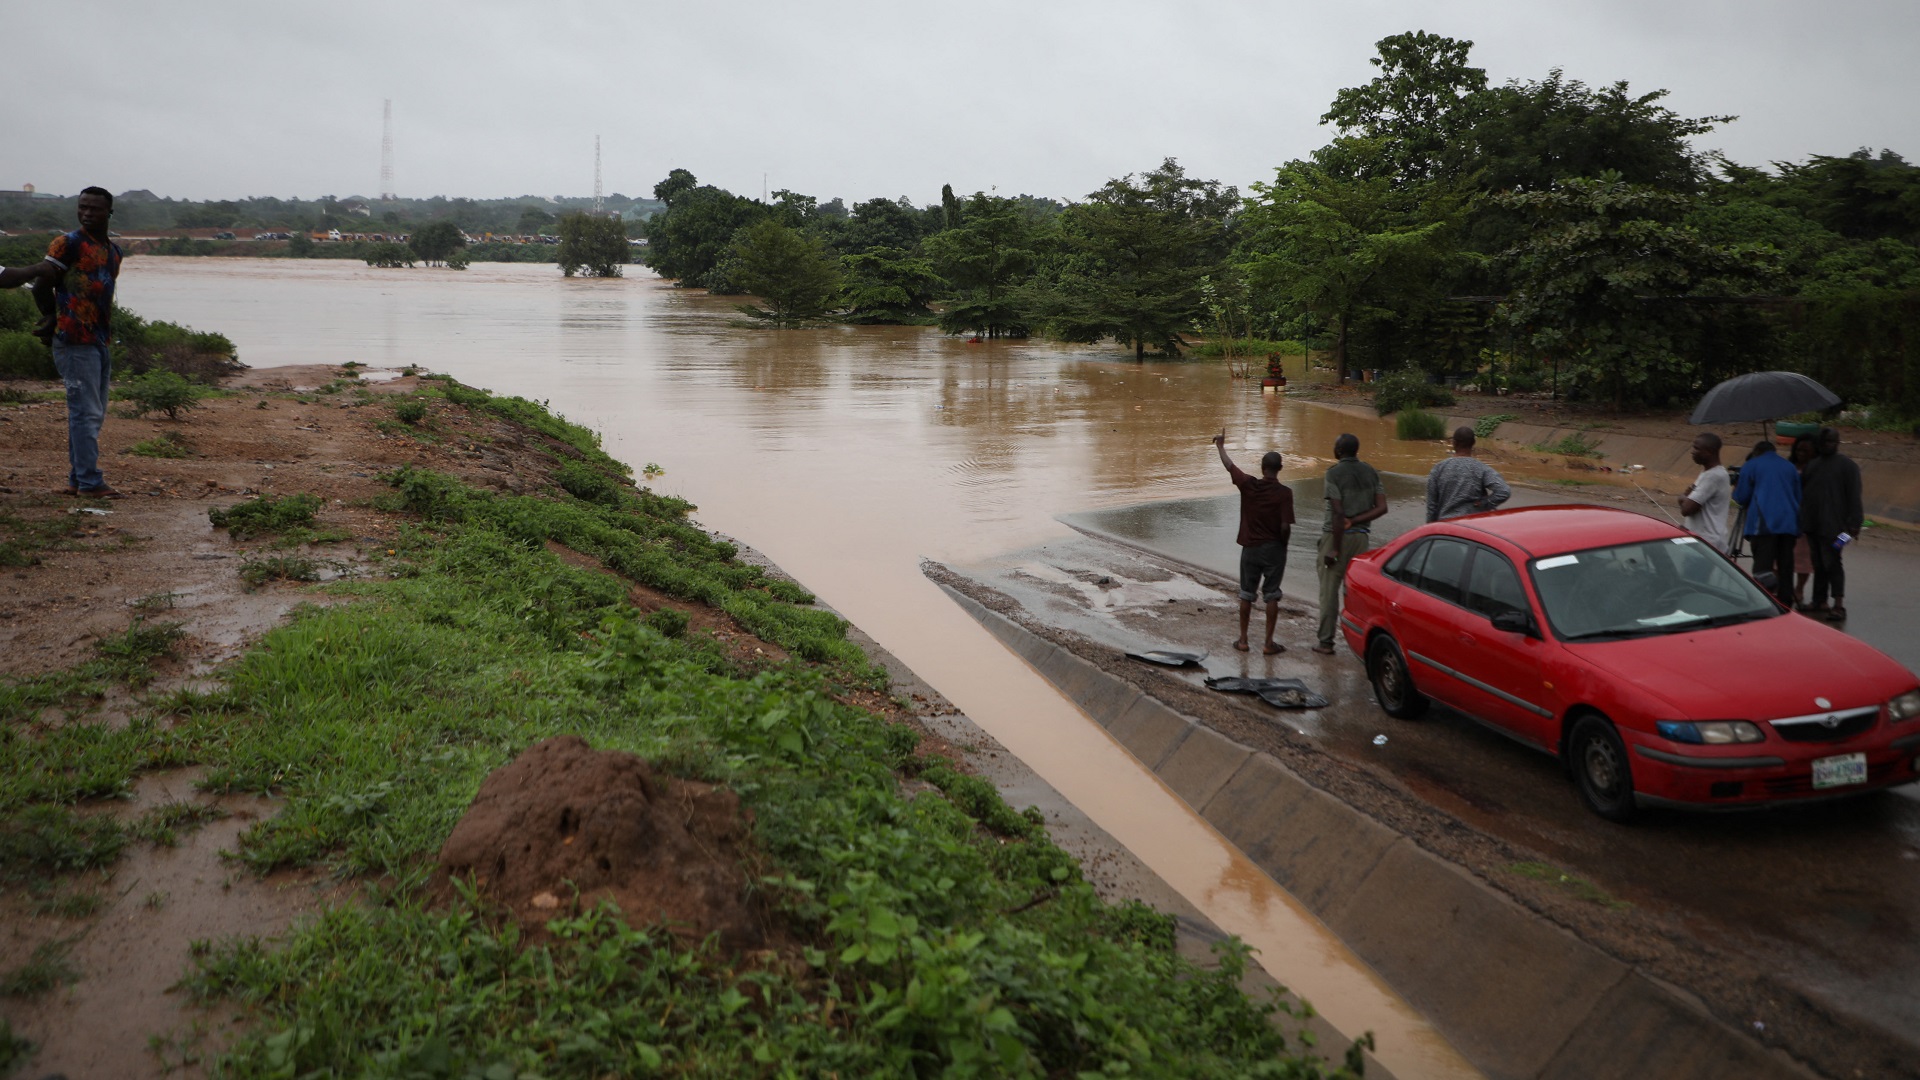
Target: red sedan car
{"type": "Point", "coordinates": [1649, 663]}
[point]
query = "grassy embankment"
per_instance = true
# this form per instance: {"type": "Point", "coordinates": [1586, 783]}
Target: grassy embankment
{"type": "Point", "coordinates": [941, 934]}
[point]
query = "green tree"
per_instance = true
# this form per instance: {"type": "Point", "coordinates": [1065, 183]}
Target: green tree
{"type": "Point", "coordinates": [1531, 136]}
{"type": "Point", "coordinates": [1414, 115]}
{"type": "Point", "coordinates": [688, 242]}
{"type": "Point", "coordinates": [677, 183]}
{"type": "Point", "coordinates": [435, 241]}
{"type": "Point", "coordinates": [533, 222]}
{"type": "Point", "coordinates": [792, 272]}
{"type": "Point", "coordinates": [300, 244]}
{"type": "Point", "coordinates": [388, 255]}
{"type": "Point", "coordinates": [597, 245]}
{"type": "Point", "coordinates": [888, 285]}
{"type": "Point", "coordinates": [1613, 288]}
{"type": "Point", "coordinates": [1344, 250]}
{"type": "Point", "coordinates": [985, 259]}
{"type": "Point", "coordinates": [1135, 254]}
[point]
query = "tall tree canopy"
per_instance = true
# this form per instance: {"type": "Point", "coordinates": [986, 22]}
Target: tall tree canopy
{"type": "Point", "coordinates": [1132, 259]}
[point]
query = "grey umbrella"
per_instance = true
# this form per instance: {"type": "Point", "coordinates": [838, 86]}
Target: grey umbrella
{"type": "Point", "coordinates": [1763, 395]}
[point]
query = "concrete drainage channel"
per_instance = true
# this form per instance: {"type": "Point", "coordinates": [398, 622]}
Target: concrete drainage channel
{"type": "Point", "coordinates": [1517, 995]}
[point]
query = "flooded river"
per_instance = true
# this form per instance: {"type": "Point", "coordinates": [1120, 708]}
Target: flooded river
{"type": "Point", "coordinates": [848, 455]}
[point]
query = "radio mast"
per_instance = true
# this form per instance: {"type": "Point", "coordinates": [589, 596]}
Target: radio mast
{"type": "Point", "coordinates": [599, 206]}
{"type": "Point", "coordinates": [386, 153]}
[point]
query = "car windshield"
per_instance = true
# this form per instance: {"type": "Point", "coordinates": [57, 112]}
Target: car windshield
{"type": "Point", "coordinates": [1637, 590]}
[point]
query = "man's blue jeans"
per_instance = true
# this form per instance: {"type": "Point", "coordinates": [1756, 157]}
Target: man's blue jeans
{"type": "Point", "coordinates": [86, 370]}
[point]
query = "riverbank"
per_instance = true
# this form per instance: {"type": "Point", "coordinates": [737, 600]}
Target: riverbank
{"type": "Point", "coordinates": [213, 733]}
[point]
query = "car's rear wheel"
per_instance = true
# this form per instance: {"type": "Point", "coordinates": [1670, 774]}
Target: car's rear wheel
{"type": "Point", "coordinates": [1600, 768]}
{"type": "Point", "coordinates": [1392, 682]}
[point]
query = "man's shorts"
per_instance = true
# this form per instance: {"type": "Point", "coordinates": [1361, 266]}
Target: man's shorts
{"type": "Point", "coordinates": [1262, 564]}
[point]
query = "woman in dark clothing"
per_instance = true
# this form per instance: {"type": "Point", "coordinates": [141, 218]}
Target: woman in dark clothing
{"type": "Point", "coordinates": [1801, 456]}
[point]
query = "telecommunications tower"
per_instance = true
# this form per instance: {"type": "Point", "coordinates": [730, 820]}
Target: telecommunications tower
{"type": "Point", "coordinates": [386, 153]}
{"type": "Point", "coordinates": [599, 205]}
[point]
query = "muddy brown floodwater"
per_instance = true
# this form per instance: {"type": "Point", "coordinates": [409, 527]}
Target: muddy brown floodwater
{"type": "Point", "coordinates": [847, 455]}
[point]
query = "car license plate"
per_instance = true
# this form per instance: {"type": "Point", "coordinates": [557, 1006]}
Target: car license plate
{"type": "Point", "coordinates": [1840, 771]}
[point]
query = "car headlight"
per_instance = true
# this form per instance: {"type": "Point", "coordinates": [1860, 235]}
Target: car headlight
{"type": "Point", "coordinates": [1716, 732]}
{"type": "Point", "coordinates": [1905, 707]}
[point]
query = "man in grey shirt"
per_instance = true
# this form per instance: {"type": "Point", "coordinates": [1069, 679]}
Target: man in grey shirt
{"type": "Point", "coordinates": [1463, 484]}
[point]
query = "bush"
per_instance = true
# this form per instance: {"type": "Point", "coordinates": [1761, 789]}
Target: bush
{"type": "Point", "coordinates": [411, 411]}
{"type": "Point", "coordinates": [1572, 446]}
{"type": "Point", "coordinates": [389, 255]}
{"type": "Point", "coordinates": [265, 514]}
{"type": "Point", "coordinates": [670, 622]}
{"type": "Point", "coordinates": [22, 356]}
{"type": "Point", "coordinates": [17, 311]}
{"type": "Point", "coordinates": [1417, 424]}
{"type": "Point", "coordinates": [1408, 388]}
{"type": "Point", "coordinates": [1487, 425]}
{"type": "Point", "coordinates": [161, 390]}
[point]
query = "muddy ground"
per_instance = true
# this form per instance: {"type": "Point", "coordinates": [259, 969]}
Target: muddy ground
{"type": "Point", "coordinates": [126, 932]}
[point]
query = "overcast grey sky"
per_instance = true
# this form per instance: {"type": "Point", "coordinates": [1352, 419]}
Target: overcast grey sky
{"type": "Point", "coordinates": [201, 99]}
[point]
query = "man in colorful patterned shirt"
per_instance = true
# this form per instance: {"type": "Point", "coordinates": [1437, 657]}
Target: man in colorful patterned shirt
{"type": "Point", "coordinates": [75, 286]}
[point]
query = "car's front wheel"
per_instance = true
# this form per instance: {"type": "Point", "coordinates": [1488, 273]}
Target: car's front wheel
{"type": "Point", "coordinates": [1392, 682]}
{"type": "Point", "coordinates": [1600, 769]}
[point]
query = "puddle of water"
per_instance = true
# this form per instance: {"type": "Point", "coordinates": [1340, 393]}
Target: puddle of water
{"type": "Point", "coordinates": [846, 455]}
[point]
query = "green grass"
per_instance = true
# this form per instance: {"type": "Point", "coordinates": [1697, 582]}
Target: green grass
{"type": "Point", "coordinates": [14, 1049]}
{"type": "Point", "coordinates": [163, 825]}
{"type": "Point", "coordinates": [257, 572]}
{"type": "Point", "coordinates": [22, 539]}
{"type": "Point", "coordinates": [168, 445]}
{"type": "Point", "coordinates": [68, 904]}
{"type": "Point", "coordinates": [1572, 446]}
{"type": "Point", "coordinates": [264, 514]}
{"type": "Point", "coordinates": [943, 934]}
{"type": "Point", "coordinates": [1577, 887]}
{"type": "Point", "coordinates": [1418, 425]}
{"type": "Point", "coordinates": [47, 970]}
{"type": "Point", "coordinates": [1487, 425]}
{"type": "Point", "coordinates": [1257, 348]}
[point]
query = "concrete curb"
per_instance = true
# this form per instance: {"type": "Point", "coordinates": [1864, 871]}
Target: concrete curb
{"type": "Point", "coordinates": [1520, 997]}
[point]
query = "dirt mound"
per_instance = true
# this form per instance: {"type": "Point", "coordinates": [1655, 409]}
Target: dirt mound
{"type": "Point", "coordinates": [563, 826]}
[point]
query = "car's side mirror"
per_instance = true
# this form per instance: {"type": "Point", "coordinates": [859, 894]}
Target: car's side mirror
{"type": "Point", "coordinates": [1515, 622]}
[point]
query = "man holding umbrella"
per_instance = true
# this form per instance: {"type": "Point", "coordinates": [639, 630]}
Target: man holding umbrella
{"type": "Point", "coordinates": [1831, 515]}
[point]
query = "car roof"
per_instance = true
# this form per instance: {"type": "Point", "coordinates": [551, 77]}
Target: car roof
{"type": "Point", "coordinates": [1555, 530]}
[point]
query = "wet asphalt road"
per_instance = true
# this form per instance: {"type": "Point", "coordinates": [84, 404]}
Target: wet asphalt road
{"type": "Point", "coordinates": [1828, 894]}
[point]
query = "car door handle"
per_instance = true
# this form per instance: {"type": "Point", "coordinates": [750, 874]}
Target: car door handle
{"type": "Point", "coordinates": [1469, 640]}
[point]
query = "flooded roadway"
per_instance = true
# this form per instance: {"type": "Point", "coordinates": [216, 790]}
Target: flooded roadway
{"type": "Point", "coordinates": [846, 455]}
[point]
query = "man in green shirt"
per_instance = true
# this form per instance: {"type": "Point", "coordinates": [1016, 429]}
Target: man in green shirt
{"type": "Point", "coordinates": [1355, 496]}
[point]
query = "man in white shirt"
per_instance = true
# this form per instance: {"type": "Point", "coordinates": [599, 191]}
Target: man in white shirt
{"type": "Point", "coordinates": [1703, 508]}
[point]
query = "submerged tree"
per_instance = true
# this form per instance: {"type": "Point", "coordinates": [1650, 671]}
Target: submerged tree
{"type": "Point", "coordinates": [1133, 257]}
{"type": "Point", "coordinates": [985, 258]}
{"type": "Point", "coordinates": [790, 271]}
{"type": "Point", "coordinates": [595, 245]}
{"type": "Point", "coordinates": [435, 242]}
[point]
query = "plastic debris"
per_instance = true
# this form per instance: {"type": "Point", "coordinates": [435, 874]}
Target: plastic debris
{"type": "Point", "coordinates": [90, 510]}
{"type": "Point", "coordinates": [1168, 657]}
{"type": "Point", "coordinates": [1379, 740]}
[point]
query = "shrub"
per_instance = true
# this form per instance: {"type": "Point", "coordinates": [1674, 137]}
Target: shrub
{"type": "Point", "coordinates": [670, 622]}
{"type": "Point", "coordinates": [583, 481]}
{"type": "Point", "coordinates": [411, 411]}
{"type": "Point", "coordinates": [161, 390]}
{"type": "Point", "coordinates": [265, 514]}
{"type": "Point", "coordinates": [1487, 425]}
{"type": "Point", "coordinates": [1408, 388]}
{"type": "Point", "coordinates": [389, 255]}
{"type": "Point", "coordinates": [257, 572]}
{"type": "Point", "coordinates": [169, 445]}
{"type": "Point", "coordinates": [22, 356]}
{"type": "Point", "coordinates": [1571, 446]}
{"type": "Point", "coordinates": [1418, 424]}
